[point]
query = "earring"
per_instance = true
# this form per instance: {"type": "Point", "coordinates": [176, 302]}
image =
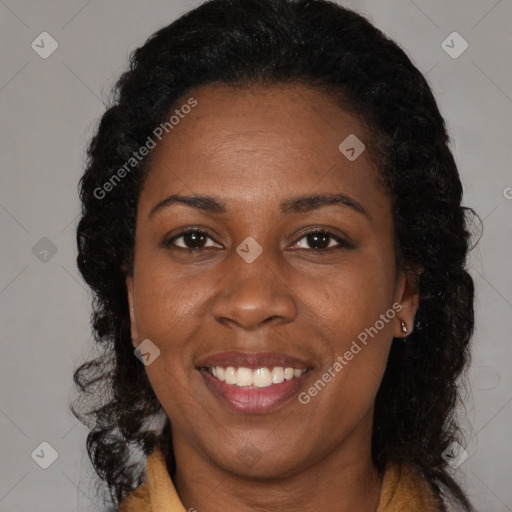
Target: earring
{"type": "Point", "coordinates": [404, 327]}
{"type": "Point", "coordinates": [132, 309]}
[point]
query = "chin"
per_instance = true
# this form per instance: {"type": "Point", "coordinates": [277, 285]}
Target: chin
{"type": "Point", "coordinates": [251, 463]}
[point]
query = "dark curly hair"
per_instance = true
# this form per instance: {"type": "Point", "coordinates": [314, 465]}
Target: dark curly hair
{"type": "Point", "coordinates": [320, 44]}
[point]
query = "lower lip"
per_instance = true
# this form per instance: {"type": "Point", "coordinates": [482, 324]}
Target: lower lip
{"type": "Point", "coordinates": [253, 399]}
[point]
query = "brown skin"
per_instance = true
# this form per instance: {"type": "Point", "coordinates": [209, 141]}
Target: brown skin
{"type": "Point", "coordinates": [254, 148]}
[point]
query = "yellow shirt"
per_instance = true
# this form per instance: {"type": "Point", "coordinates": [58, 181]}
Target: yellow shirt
{"type": "Point", "coordinates": [403, 490]}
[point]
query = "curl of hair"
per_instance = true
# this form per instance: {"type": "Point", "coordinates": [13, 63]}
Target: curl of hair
{"type": "Point", "coordinates": [319, 44]}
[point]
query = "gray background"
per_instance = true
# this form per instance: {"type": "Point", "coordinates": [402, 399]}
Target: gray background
{"type": "Point", "coordinates": [48, 111]}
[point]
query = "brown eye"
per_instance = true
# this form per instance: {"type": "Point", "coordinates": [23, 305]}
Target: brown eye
{"type": "Point", "coordinates": [321, 240]}
{"type": "Point", "coordinates": [193, 239]}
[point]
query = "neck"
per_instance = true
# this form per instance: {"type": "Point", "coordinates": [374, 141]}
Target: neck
{"type": "Point", "coordinates": [343, 481]}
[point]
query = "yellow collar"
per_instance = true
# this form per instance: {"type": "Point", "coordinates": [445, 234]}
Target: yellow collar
{"type": "Point", "coordinates": [402, 489]}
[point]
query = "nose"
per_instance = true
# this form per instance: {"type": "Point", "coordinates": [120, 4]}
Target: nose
{"type": "Point", "coordinates": [254, 294]}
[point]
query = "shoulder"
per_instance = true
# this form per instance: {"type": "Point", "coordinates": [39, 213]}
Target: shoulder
{"type": "Point", "coordinates": [404, 488]}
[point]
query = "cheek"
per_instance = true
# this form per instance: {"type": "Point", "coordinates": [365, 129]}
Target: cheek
{"type": "Point", "coordinates": [359, 344]}
{"type": "Point", "coordinates": [167, 379]}
{"type": "Point", "coordinates": [355, 313]}
{"type": "Point", "coordinates": [169, 313]}
{"type": "Point", "coordinates": [354, 296]}
{"type": "Point", "coordinates": [168, 303]}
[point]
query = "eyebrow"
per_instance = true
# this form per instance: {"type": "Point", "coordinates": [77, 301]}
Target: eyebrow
{"type": "Point", "coordinates": [299, 204]}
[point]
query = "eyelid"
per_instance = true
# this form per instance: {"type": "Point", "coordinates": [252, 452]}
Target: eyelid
{"type": "Point", "coordinates": [342, 240]}
{"type": "Point", "coordinates": [336, 234]}
{"type": "Point", "coordinates": [169, 241]}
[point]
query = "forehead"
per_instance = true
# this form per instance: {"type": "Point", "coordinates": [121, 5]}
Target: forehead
{"type": "Point", "coordinates": [262, 143]}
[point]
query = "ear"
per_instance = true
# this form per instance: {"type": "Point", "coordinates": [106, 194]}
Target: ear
{"type": "Point", "coordinates": [407, 296]}
{"type": "Point", "coordinates": [131, 307]}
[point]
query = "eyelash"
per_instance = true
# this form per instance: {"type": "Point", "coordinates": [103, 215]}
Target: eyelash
{"type": "Point", "coordinates": [343, 244]}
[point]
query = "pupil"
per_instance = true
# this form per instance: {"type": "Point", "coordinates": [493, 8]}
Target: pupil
{"type": "Point", "coordinates": [194, 236]}
{"type": "Point", "coordinates": [312, 238]}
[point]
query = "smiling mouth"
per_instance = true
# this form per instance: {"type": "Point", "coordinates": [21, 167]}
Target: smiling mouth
{"type": "Point", "coordinates": [249, 378]}
{"type": "Point", "coordinates": [253, 390]}
{"type": "Point", "coordinates": [254, 382]}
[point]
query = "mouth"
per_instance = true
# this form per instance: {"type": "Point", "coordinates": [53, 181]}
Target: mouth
{"type": "Point", "coordinates": [253, 382]}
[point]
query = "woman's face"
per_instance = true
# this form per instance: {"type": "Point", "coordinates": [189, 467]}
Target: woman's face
{"type": "Point", "coordinates": [257, 290]}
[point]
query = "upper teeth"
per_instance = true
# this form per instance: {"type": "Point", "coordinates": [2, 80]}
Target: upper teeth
{"type": "Point", "coordinates": [260, 377]}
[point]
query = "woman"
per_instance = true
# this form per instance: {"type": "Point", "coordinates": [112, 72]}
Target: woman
{"type": "Point", "coordinates": [273, 231]}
